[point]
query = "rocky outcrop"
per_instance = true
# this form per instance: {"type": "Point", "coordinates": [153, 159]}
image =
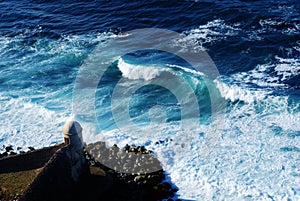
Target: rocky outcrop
{"type": "Point", "coordinates": [137, 185]}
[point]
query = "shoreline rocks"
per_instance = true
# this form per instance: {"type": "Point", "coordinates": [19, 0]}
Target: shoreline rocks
{"type": "Point", "coordinates": [130, 159]}
{"type": "Point", "coordinates": [131, 173]}
{"type": "Point", "coordinates": [10, 151]}
{"type": "Point", "coordinates": [137, 184]}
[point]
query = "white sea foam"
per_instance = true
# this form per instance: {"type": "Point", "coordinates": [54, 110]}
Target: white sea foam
{"type": "Point", "coordinates": [256, 84]}
{"type": "Point", "coordinates": [24, 123]}
{"type": "Point", "coordinates": [33, 107]}
{"type": "Point", "coordinates": [136, 72]}
{"type": "Point", "coordinates": [287, 68]}
{"type": "Point", "coordinates": [246, 164]}
{"type": "Point", "coordinates": [241, 165]}
{"type": "Point", "coordinates": [272, 25]}
{"type": "Point", "coordinates": [212, 31]}
{"type": "Point", "coordinates": [144, 72]}
{"type": "Point", "coordinates": [195, 72]}
{"type": "Point", "coordinates": [234, 92]}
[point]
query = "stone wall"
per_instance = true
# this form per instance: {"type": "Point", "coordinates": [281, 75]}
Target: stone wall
{"type": "Point", "coordinates": [60, 176]}
{"type": "Point", "coordinates": [57, 181]}
{"type": "Point", "coordinates": [27, 161]}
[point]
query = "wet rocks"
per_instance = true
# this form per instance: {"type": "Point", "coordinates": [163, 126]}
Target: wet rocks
{"type": "Point", "coordinates": [10, 151]}
{"type": "Point", "coordinates": [31, 148]}
{"type": "Point", "coordinates": [164, 190]}
{"type": "Point", "coordinates": [130, 159]}
{"type": "Point", "coordinates": [94, 170]}
{"type": "Point", "coordinates": [136, 173]}
{"type": "Point", "coordinates": [8, 148]}
{"type": "Point", "coordinates": [163, 142]}
{"type": "Point", "coordinates": [3, 155]}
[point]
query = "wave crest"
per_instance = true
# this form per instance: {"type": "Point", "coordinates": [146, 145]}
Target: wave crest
{"type": "Point", "coordinates": [136, 72]}
{"type": "Point", "coordinates": [237, 93]}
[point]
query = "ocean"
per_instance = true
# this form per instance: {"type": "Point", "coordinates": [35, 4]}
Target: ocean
{"type": "Point", "coordinates": [212, 87]}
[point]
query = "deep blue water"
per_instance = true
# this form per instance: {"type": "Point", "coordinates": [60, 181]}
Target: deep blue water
{"type": "Point", "coordinates": [52, 52]}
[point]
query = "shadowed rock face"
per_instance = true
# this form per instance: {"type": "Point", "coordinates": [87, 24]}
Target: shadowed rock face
{"type": "Point", "coordinates": [129, 160]}
{"type": "Point", "coordinates": [134, 183]}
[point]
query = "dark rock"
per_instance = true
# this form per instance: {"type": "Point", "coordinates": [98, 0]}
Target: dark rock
{"type": "Point", "coordinates": [174, 190]}
{"type": "Point", "coordinates": [144, 181]}
{"type": "Point", "coordinates": [166, 185]}
{"type": "Point", "coordinates": [126, 148]}
{"type": "Point", "coordinates": [31, 148]}
{"type": "Point", "coordinates": [19, 148]}
{"type": "Point", "coordinates": [94, 170]}
{"type": "Point", "coordinates": [4, 154]}
{"type": "Point", "coordinates": [11, 153]}
{"type": "Point", "coordinates": [148, 152]}
{"type": "Point", "coordinates": [9, 148]}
